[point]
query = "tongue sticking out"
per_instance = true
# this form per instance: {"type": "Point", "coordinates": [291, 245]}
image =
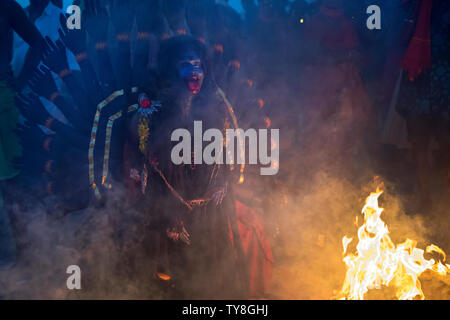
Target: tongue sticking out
{"type": "Point", "coordinates": [193, 85]}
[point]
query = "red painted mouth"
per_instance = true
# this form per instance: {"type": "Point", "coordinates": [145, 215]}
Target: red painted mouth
{"type": "Point", "coordinates": [193, 85]}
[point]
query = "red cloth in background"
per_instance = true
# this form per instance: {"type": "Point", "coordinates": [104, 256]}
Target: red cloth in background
{"type": "Point", "coordinates": [418, 55]}
{"type": "Point", "coordinates": [256, 248]}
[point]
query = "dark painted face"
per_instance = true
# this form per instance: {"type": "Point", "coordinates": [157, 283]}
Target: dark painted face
{"type": "Point", "coordinates": [191, 72]}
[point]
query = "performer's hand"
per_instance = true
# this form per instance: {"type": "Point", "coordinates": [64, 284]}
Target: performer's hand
{"type": "Point", "coordinates": [179, 233]}
{"type": "Point", "coordinates": [42, 83]}
{"type": "Point", "coordinates": [55, 56]}
{"type": "Point", "coordinates": [74, 39]}
{"type": "Point", "coordinates": [218, 194]}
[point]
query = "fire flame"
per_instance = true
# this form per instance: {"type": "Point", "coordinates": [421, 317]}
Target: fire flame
{"type": "Point", "coordinates": [379, 262]}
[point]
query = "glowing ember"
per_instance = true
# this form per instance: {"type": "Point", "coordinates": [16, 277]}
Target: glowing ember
{"type": "Point", "coordinates": [163, 276]}
{"type": "Point", "coordinates": [378, 262]}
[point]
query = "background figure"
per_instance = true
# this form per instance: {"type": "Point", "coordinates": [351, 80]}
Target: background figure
{"type": "Point", "coordinates": [12, 18]}
{"type": "Point", "coordinates": [335, 108]}
{"type": "Point", "coordinates": [425, 93]}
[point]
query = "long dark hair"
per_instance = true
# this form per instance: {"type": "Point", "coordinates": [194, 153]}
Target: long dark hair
{"type": "Point", "coordinates": [171, 50]}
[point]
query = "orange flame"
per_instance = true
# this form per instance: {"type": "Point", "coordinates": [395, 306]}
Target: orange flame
{"type": "Point", "coordinates": [379, 262]}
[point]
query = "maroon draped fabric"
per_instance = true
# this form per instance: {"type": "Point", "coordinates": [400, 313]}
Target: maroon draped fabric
{"type": "Point", "coordinates": [257, 251]}
{"type": "Point", "coordinates": [418, 55]}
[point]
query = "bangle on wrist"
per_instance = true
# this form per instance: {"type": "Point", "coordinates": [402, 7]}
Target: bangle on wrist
{"type": "Point", "coordinates": [64, 73]}
{"type": "Point", "coordinates": [54, 96]}
{"type": "Point", "coordinates": [49, 188]}
{"type": "Point", "coordinates": [123, 37]}
{"type": "Point", "coordinates": [101, 45]}
{"type": "Point", "coordinates": [47, 143]}
{"type": "Point", "coordinates": [49, 122]}
{"type": "Point", "coordinates": [143, 35]}
{"type": "Point", "coordinates": [81, 56]}
{"type": "Point", "coordinates": [218, 47]}
{"type": "Point", "coordinates": [181, 32]}
{"type": "Point", "coordinates": [235, 63]}
{"type": "Point", "coordinates": [165, 36]}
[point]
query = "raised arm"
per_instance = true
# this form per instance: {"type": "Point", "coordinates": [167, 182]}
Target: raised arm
{"type": "Point", "coordinates": [122, 13]}
{"type": "Point", "coordinates": [55, 58]}
{"type": "Point", "coordinates": [146, 13]}
{"type": "Point", "coordinates": [75, 40]}
{"type": "Point", "coordinates": [33, 109]}
{"type": "Point", "coordinates": [43, 84]}
{"type": "Point", "coordinates": [97, 22]}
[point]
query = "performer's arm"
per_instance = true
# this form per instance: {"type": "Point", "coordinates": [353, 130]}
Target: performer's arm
{"type": "Point", "coordinates": [97, 23]}
{"type": "Point", "coordinates": [145, 18]}
{"type": "Point", "coordinates": [75, 40]}
{"type": "Point", "coordinates": [70, 112]}
{"type": "Point", "coordinates": [105, 68]}
{"type": "Point", "coordinates": [141, 58]}
{"type": "Point", "coordinates": [175, 12]}
{"type": "Point", "coordinates": [55, 58]}
{"type": "Point", "coordinates": [122, 17]}
{"type": "Point", "coordinates": [43, 84]}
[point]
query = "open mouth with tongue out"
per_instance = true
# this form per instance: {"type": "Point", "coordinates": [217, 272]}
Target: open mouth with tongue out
{"type": "Point", "coordinates": [193, 84]}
